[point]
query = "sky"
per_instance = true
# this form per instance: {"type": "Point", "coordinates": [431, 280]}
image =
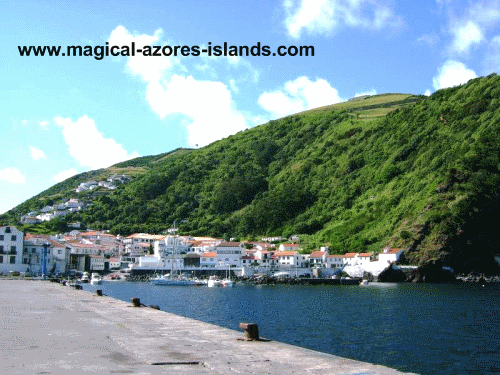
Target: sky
{"type": "Point", "coordinates": [60, 116]}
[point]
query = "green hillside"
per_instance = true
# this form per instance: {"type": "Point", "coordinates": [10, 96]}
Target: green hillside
{"type": "Point", "coordinates": [400, 170]}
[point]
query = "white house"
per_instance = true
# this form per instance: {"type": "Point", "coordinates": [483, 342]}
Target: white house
{"type": "Point", "coordinates": [389, 255]}
{"type": "Point", "coordinates": [11, 247]}
{"type": "Point", "coordinates": [229, 254]}
{"type": "Point", "coordinates": [114, 263]}
{"type": "Point", "coordinates": [335, 261]}
{"type": "Point", "coordinates": [318, 259]}
{"type": "Point", "coordinates": [289, 258]}
{"type": "Point", "coordinates": [96, 263]}
{"type": "Point", "coordinates": [208, 260]}
{"type": "Point", "coordinates": [170, 245]}
{"type": "Point", "coordinates": [363, 258]}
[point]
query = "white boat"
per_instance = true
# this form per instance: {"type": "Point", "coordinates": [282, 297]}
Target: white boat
{"type": "Point", "coordinates": [227, 283]}
{"type": "Point", "coordinates": [214, 281]}
{"type": "Point", "coordinates": [364, 282]}
{"type": "Point", "coordinates": [85, 278]}
{"type": "Point", "coordinates": [96, 279]}
{"type": "Point", "coordinates": [172, 280]}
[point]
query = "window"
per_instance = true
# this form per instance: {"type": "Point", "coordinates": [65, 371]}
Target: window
{"type": "Point", "coordinates": [12, 248]}
{"type": "Point", "coordinates": [7, 229]}
{"type": "Point", "coordinates": [25, 261]}
{"type": "Point", "coordinates": [12, 260]}
{"type": "Point", "coordinates": [1, 248]}
{"type": "Point", "coordinates": [1, 237]}
{"type": "Point", "coordinates": [59, 252]}
{"type": "Point", "coordinates": [33, 250]}
{"type": "Point", "coordinates": [14, 238]}
{"type": "Point", "coordinates": [1, 258]}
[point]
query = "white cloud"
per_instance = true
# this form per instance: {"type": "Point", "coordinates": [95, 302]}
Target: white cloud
{"type": "Point", "coordinates": [452, 73]}
{"type": "Point", "coordinates": [471, 27]}
{"type": "Point", "coordinates": [299, 95]}
{"type": "Point", "coordinates": [465, 36]}
{"type": "Point", "coordinates": [149, 68]}
{"type": "Point", "coordinates": [427, 93]}
{"type": "Point", "coordinates": [88, 146]}
{"type": "Point", "coordinates": [24, 122]}
{"type": "Point", "coordinates": [208, 109]}
{"type": "Point", "coordinates": [369, 92]}
{"type": "Point", "coordinates": [208, 105]}
{"type": "Point", "coordinates": [43, 124]}
{"type": "Point", "coordinates": [12, 175]}
{"type": "Point", "coordinates": [327, 16]}
{"type": "Point", "coordinates": [37, 154]}
{"type": "Point", "coordinates": [63, 175]}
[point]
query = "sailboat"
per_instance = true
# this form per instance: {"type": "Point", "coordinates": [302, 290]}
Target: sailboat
{"type": "Point", "coordinates": [227, 282]}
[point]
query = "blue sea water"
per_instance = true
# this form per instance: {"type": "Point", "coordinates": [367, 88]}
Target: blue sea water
{"type": "Point", "coordinates": [421, 328]}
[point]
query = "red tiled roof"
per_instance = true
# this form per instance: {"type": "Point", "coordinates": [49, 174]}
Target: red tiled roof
{"type": "Point", "coordinates": [317, 254]}
{"type": "Point", "coordinates": [286, 253]}
{"type": "Point", "coordinates": [209, 255]}
{"type": "Point", "coordinates": [364, 254]}
{"type": "Point", "coordinates": [229, 244]}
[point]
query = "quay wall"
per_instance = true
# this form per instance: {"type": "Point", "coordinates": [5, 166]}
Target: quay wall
{"type": "Point", "coordinates": [51, 328]}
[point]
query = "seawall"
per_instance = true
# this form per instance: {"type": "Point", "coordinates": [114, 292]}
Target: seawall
{"type": "Point", "coordinates": [48, 328]}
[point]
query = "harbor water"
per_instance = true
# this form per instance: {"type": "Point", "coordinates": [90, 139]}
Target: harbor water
{"type": "Point", "coordinates": [420, 328]}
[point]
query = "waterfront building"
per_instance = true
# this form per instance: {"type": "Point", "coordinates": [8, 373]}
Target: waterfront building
{"type": "Point", "coordinates": [318, 259]}
{"type": "Point", "coordinates": [208, 260]}
{"type": "Point", "coordinates": [171, 245]}
{"type": "Point", "coordinates": [96, 263]}
{"type": "Point", "coordinates": [389, 255]}
{"type": "Point", "coordinates": [229, 254]}
{"type": "Point", "coordinates": [289, 258]}
{"type": "Point", "coordinates": [11, 245]}
{"type": "Point", "coordinates": [58, 255]}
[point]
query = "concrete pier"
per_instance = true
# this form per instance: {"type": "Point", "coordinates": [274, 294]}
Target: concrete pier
{"type": "Point", "coordinates": [47, 328]}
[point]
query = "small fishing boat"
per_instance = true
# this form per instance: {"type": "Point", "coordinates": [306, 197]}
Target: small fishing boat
{"type": "Point", "coordinates": [96, 279]}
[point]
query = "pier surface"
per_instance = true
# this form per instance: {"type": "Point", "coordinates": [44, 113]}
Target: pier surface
{"type": "Point", "coordinates": [47, 328]}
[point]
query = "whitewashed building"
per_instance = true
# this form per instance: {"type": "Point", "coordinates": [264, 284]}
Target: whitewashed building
{"type": "Point", "coordinates": [11, 247]}
{"type": "Point", "coordinates": [229, 254]}
{"type": "Point", "coordinates": [389, 255]}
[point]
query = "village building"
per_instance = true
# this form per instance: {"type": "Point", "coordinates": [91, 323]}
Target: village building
{"type": "Point", "coordinates": [11, 247]}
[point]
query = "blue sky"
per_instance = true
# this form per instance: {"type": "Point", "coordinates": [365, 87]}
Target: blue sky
{"type": "Point", "coordinates": [65, 115]}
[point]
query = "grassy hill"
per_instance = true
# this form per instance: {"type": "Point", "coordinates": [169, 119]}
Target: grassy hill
{"type": "Point", "coordinates": [416, 172]}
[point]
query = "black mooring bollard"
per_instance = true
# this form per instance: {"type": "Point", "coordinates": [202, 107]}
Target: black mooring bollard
{"type": "Point", "coordinates": [251, 331]}
{"type": "Point", "coordinates": [136, 302]}
{"type": "Point", "coordinates": [99, 292]}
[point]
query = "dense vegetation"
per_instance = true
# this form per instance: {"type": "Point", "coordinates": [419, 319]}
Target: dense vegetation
{"type": "Point", "coordinates": [423, 176]}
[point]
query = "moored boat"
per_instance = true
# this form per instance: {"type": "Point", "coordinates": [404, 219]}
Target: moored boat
{"type": "Point", "coordinates": [214, 281]}
{"type": "Point", "coordinates": [96, 279]}
{"type": "Point", "coordinates": [172, 280]}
